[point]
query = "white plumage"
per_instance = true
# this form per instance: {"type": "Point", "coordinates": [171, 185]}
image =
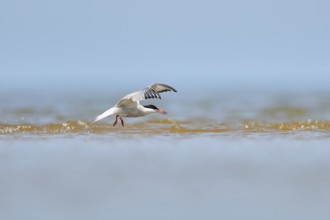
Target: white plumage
{"type": "Point", "coordinates": [129, 106]}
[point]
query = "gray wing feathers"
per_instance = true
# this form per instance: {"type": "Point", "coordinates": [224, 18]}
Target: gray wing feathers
{"type": "Point", "coordinates": [158, 87]}
{"type": "Point", "coordinates": [134, 96]}
{"type": "Point", "coordinates": [126, 102]}
{"type": "Point", "coordinates": [151, 92]}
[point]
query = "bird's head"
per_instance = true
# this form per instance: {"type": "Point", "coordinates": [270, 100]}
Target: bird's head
{"type": "Point", "coordinates": [155, 109]}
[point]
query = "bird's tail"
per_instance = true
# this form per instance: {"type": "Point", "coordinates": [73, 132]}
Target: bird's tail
{"type": "Point", "coordinates": [104, 115]}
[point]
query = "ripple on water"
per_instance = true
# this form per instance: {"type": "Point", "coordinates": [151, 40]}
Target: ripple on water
{"type": "Point", "coordinates": [164, 126]}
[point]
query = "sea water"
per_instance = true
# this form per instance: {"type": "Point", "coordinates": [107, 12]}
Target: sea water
{"type": "Point", "coordinates": [219, 156]}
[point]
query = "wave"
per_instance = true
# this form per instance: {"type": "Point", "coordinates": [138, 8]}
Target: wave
{"type": "Point", "coordinates": [162, 126]}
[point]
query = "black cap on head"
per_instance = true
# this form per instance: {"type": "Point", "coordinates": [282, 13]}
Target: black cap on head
{"type": "Point", "coordinates": [151, 106]}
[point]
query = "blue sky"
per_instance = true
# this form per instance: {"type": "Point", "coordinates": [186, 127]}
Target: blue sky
{"type": "Point", "coordinates": [210, 44]}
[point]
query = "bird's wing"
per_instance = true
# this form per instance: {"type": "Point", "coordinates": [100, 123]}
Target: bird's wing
{"type": "Point", "coordinates": [151, 92]}
{"type": "Point", "coordinates": [126, 102]}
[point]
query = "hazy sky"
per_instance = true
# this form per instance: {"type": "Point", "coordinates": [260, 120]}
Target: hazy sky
{"type": "Point", "coordinates": [221, 44]}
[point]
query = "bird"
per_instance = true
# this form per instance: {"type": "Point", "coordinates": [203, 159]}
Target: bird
{"type": "Point", "coordinates": [129, 105]}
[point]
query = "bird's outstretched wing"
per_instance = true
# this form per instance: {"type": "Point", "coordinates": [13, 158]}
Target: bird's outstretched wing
{"type": "Point", "coordinates": [128, 103]}
{"type": "Point", "coordinates": [151, 92]}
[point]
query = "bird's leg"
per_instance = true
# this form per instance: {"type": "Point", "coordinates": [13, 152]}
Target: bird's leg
{"type": "Point", "coordinates": [115, 121]}
{"type": "Point", "coordinates": [122, 121]}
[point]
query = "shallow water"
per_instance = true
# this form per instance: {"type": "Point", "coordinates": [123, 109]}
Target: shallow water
{"type": "Point", "coordinates": [239, 156]}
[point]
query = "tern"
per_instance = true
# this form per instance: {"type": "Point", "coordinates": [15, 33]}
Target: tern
{"type": "Point", "coordinates": [129, 106]}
